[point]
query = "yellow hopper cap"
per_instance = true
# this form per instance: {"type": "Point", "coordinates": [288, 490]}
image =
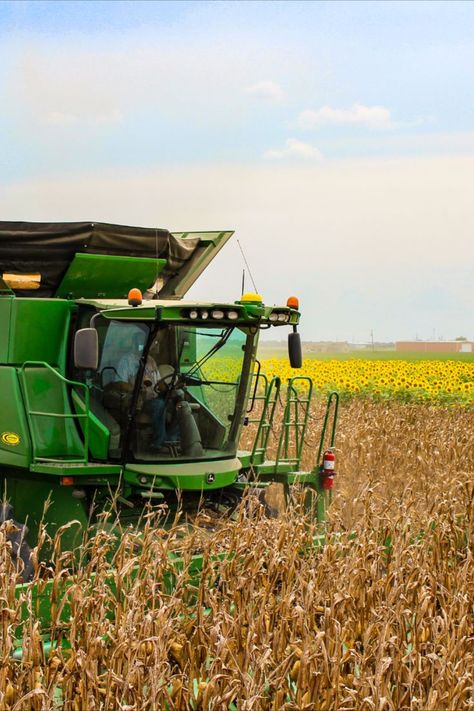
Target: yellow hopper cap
{"type": "Point", "coordinates": [253, 298]}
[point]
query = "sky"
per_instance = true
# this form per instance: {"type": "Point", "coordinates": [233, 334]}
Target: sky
{"type": "Point", "coordinates": [335, 138]}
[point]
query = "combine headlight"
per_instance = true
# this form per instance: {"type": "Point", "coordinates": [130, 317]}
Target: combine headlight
{"type": "Point", "coordinates": [232, 315]}
{"type": "Point", "coordinates": [204, 313]}
{"type": "Point", "coordinates": [283, 317]}
{"type": "Point", "coordinates": [217, 313]}
{"type": "Point", "coordinates": [193, 313]}
{"type": "Point", "coordinates": [273, 317]}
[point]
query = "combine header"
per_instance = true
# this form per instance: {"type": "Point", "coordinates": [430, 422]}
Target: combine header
{"type": "Point", "coordinates": [114, 386]}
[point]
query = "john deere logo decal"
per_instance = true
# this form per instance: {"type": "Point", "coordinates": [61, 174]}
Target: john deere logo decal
{"type": "Point", "coordinates": [10, 438]}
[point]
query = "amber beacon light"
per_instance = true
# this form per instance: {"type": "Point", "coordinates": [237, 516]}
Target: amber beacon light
{"type": "Point", "coordinates": [135, 297]}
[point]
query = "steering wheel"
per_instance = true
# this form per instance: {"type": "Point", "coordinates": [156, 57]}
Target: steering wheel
{"type": "Point", "coordinates": [170, 385]}
{"type": "Point", "coordinates": [101, 374]}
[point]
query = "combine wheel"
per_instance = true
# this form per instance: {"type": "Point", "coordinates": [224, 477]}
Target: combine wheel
{"type": "Point", "coordinates": [16, 536]}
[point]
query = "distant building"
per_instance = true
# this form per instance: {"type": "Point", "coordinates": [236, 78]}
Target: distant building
{"type": "Point", "coordinates": [329, 347]}
{"type": "Point", "coordinates": [435, 346]}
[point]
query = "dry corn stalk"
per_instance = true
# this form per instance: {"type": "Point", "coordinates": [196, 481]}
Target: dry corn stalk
{"type": "Point", "coordinates": [357, 625]}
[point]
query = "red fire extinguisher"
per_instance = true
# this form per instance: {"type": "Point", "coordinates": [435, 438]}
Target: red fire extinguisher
{"type": "Point", "coordinates": [328, 469]}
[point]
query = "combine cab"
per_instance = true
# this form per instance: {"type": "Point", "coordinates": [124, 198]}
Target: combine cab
{"type": "Point", "coordinates": [114, 386]}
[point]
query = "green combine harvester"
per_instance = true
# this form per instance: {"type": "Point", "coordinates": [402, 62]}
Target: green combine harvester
{"type": "Point", "coordinates": [114, 386]}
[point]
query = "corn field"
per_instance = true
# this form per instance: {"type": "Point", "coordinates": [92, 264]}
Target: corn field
{"type": "Point", "coordinates": [380, 618]}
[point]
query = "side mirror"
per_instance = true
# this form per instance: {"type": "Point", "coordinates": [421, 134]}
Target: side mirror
{"type": "Point", "coordinates": [86, 349]}
{"type": "Point", "coordinates": [295, 353]}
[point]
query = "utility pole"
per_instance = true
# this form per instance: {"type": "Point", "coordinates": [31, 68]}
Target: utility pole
{"type": "Point", "coordinates": [372, 338]}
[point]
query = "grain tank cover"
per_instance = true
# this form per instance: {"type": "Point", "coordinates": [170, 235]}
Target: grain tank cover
{"type": "Point", "coordinates": [40, 258]}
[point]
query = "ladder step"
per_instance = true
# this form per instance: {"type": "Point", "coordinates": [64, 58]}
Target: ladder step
{"type": "Point", "coordinates": [295, 422]}
{"type": "Point", "coordinates": [271, 400]}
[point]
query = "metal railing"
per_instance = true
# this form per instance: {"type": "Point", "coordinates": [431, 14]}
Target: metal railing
{"type": "Point", "coordinates": [333, 397]}
{"type": "Point", "coordinates": [270, 399]}
{"type": "Point", "coordinates": [295, 421]}
{"type": "Point", "coordinates": [38, 459]}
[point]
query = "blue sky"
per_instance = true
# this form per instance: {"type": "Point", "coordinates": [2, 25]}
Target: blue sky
{"type": "Point", "coordinates": [332, 130]}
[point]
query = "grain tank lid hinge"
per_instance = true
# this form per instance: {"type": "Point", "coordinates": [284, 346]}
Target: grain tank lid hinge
{"type": "Point", "coordinates": [167, 262]}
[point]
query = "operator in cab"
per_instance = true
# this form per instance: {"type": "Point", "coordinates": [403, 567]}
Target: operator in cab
{"type": "Point", "coordinates": [155, 393]}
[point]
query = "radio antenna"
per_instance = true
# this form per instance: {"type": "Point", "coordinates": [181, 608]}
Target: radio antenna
{"type": "Point", "coordinates": [157, 272]}
{"type": "Point", "coordinates": [243, 282]}
{"type": "Point", "coordinates": [248, 268]}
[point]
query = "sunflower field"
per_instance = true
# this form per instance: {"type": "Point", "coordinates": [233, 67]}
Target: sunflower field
{"type": "Point", "coordinates": [443, 381]}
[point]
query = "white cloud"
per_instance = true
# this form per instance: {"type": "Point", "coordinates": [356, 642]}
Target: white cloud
{"type": "Point", "coordinates": [267, 90]}
{"type": "Point", "coordinates": [357, 115]}
{"type": "Point", "coordinates": [355, 240]}
{"type": "Point", "coordinates": [295, 149]}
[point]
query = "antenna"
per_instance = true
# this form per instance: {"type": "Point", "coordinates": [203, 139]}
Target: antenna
{"type": "Point", "coordinates": [248, 268]}
{"type": "Point", "coordinates": [157, 272]}
{"type": "Point", "coordinates": [243, 282]}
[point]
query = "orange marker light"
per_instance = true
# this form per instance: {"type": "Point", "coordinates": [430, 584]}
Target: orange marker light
{"type": "Point", "coordinates": [293, 302]}
{"type": "Point", "coordinates": [67, 481]}
{"type": "Point", "coordinates": [135, 297]}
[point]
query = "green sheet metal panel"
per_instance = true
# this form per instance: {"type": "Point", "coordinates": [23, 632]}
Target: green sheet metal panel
{"type": "Point", "coordinates": [5, 313]}
{"type": "Point", "coordinates": [14, 433]}
{"type": "Point", "coordinates": [38, 331]}
{"type": "Point", "coordinates": [53, 435]}
{"type": "Point", "coordinates": [186, 476]}
{"type": "Point", "coordinates": [108, 276]}
{"type": "Point", "coordinates": [28, 496]}
{"type": "Point", "coordinates": [99, 434]}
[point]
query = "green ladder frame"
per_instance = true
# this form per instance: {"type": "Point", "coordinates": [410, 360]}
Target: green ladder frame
{"type": "Point", "coordinates": [295, 420]}
{"type": "Point", "coordinates": [36, 459]}
{"type": "Point", "coordinates": [333, 397]}
{"type": "Point", "coordinates": [270, 398]}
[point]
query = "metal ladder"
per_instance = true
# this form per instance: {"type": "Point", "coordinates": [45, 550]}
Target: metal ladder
{"type": "Point", "coordinates": [270, 398]}
{"type": "Point", "coordinates": [295, 421]}
{"type": "Point", "coordinates": [66, 415]}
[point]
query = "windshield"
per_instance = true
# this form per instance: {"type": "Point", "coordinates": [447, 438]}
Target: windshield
{"type": "Point", "coordinates": [186, 398]}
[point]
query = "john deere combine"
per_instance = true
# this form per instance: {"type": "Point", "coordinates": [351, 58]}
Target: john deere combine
{"type": "Point", "coordinates": [113, 385]}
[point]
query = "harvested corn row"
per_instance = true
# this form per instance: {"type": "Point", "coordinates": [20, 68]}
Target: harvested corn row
{"type": "Point", "coordinates": [383, 620]}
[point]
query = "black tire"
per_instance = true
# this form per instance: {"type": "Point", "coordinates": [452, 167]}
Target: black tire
{"type": "Point", "coordinates": [21, 551]}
